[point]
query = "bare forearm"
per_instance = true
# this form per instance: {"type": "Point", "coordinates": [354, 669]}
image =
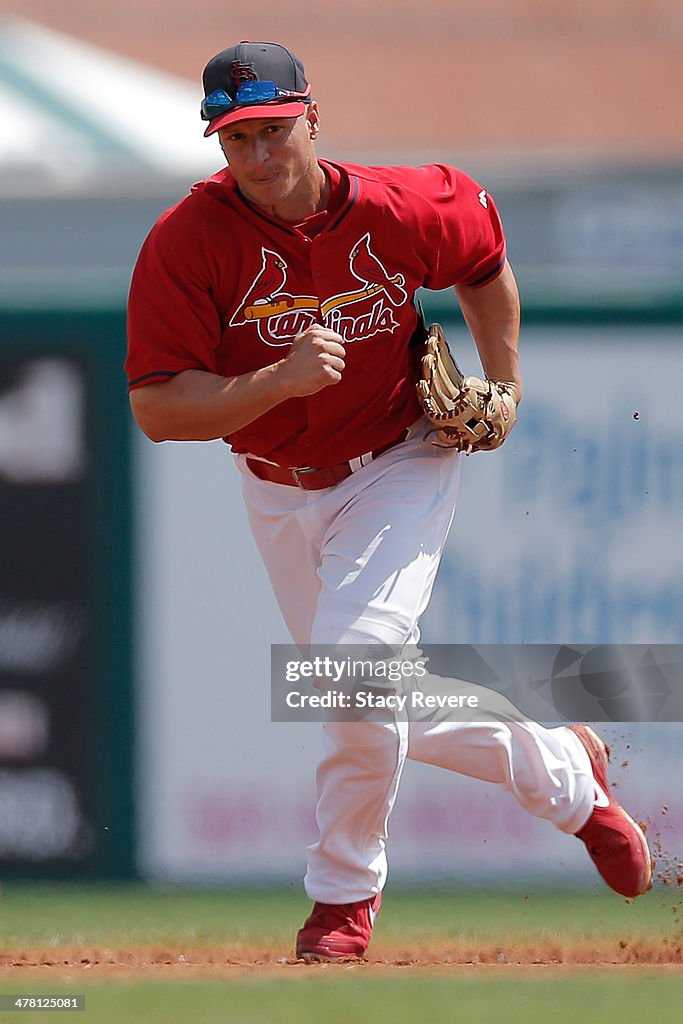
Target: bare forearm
{"type": "Point", "coordinates": [199, 406]}
{"type": "Point", "coordinates": [492, 314]}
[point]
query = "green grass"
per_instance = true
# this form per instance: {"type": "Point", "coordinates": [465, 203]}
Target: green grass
{"type": "Point", "coordinates": [36, 915]}
{"type": "Point", "coordinates": [40, 916]}
{"type": "Point", "coordinates": [350, 997]}
{"type": "Point", "coordinates": [32, 915]}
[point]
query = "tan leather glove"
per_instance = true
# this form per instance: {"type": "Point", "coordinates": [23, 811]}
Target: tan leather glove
{"type": "Point", "coordinates": [468, 413]}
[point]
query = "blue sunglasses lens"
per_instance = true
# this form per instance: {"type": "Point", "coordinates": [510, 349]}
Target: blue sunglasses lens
{"type": "Point", "coordinates": [258, 92]}
{"type": "Point", "coordinates": [219, 101]}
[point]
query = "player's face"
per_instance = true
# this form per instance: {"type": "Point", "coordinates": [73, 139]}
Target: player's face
{"type": "Point", "coordinates": [273, 161]}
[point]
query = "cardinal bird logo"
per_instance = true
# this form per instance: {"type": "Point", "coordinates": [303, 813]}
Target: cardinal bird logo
{"type": "Point", "coordinates": [268, 282]}
{"type": "Point", "coordinates": [367, 268]}
{"type": "Point", "coordinates": [278, 315]}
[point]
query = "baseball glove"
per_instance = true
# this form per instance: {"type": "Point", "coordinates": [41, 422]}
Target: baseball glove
{"type": "Point", "coordinates": [468, 413]}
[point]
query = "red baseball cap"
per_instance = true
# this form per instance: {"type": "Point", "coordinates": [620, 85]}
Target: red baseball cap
{"type": "Point", "coordinates": [253, 80]}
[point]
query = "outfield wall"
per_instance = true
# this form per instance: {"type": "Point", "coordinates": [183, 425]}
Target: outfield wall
{"type": "Point", "coordinates": [569, 534]}
{"type": "Point", "coordinates": [66, 798]}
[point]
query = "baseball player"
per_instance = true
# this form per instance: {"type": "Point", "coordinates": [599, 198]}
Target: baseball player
{"type": "Point", "coordinates": [274, 307]}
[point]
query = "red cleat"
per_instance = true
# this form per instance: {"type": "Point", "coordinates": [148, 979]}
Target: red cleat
{"type": "Point", "coordinates": [337, 931]}
{"type": "Point", "coordinates": [616, 844]}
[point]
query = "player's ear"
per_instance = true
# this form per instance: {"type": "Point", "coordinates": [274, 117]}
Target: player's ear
{"type": "Point", "coordinates": [313, 121]}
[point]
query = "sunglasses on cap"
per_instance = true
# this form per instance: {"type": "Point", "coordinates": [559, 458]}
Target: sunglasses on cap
{"type": "Point", "coordinates": [249, 93]}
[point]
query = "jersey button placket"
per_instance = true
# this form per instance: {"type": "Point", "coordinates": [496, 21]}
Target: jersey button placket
{"type": "Point", "coordinates": [317, 265]}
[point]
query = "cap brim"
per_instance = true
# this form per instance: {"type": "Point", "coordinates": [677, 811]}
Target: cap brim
{"type": "Point", "coordinates": [267, 110]}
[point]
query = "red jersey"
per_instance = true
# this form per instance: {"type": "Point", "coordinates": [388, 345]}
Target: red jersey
{"type": "Point", "coordinates": [221, 286]}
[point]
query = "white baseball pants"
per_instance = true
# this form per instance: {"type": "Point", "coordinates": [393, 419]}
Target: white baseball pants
{"type": "Point", "coordinates": [355, 564]}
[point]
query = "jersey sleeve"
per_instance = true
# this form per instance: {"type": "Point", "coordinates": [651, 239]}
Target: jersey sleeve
{"type": "Point", "coordinates": [471, 248]}
{"type": "Point", "coordinates": [173, 323]}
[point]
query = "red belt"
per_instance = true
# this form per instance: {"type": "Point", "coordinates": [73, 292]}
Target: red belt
{"type": "Point", "coordinates": [316, 479]}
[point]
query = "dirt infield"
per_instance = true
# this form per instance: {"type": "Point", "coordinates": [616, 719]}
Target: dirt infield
{"type": "Point", "coordinates": [138, 934]}
{"type": "Point", "coordinates": [226, 962]}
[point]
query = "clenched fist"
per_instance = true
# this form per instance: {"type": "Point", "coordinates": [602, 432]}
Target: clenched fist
{"type": "Point", "coordinates": [315, 360]}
